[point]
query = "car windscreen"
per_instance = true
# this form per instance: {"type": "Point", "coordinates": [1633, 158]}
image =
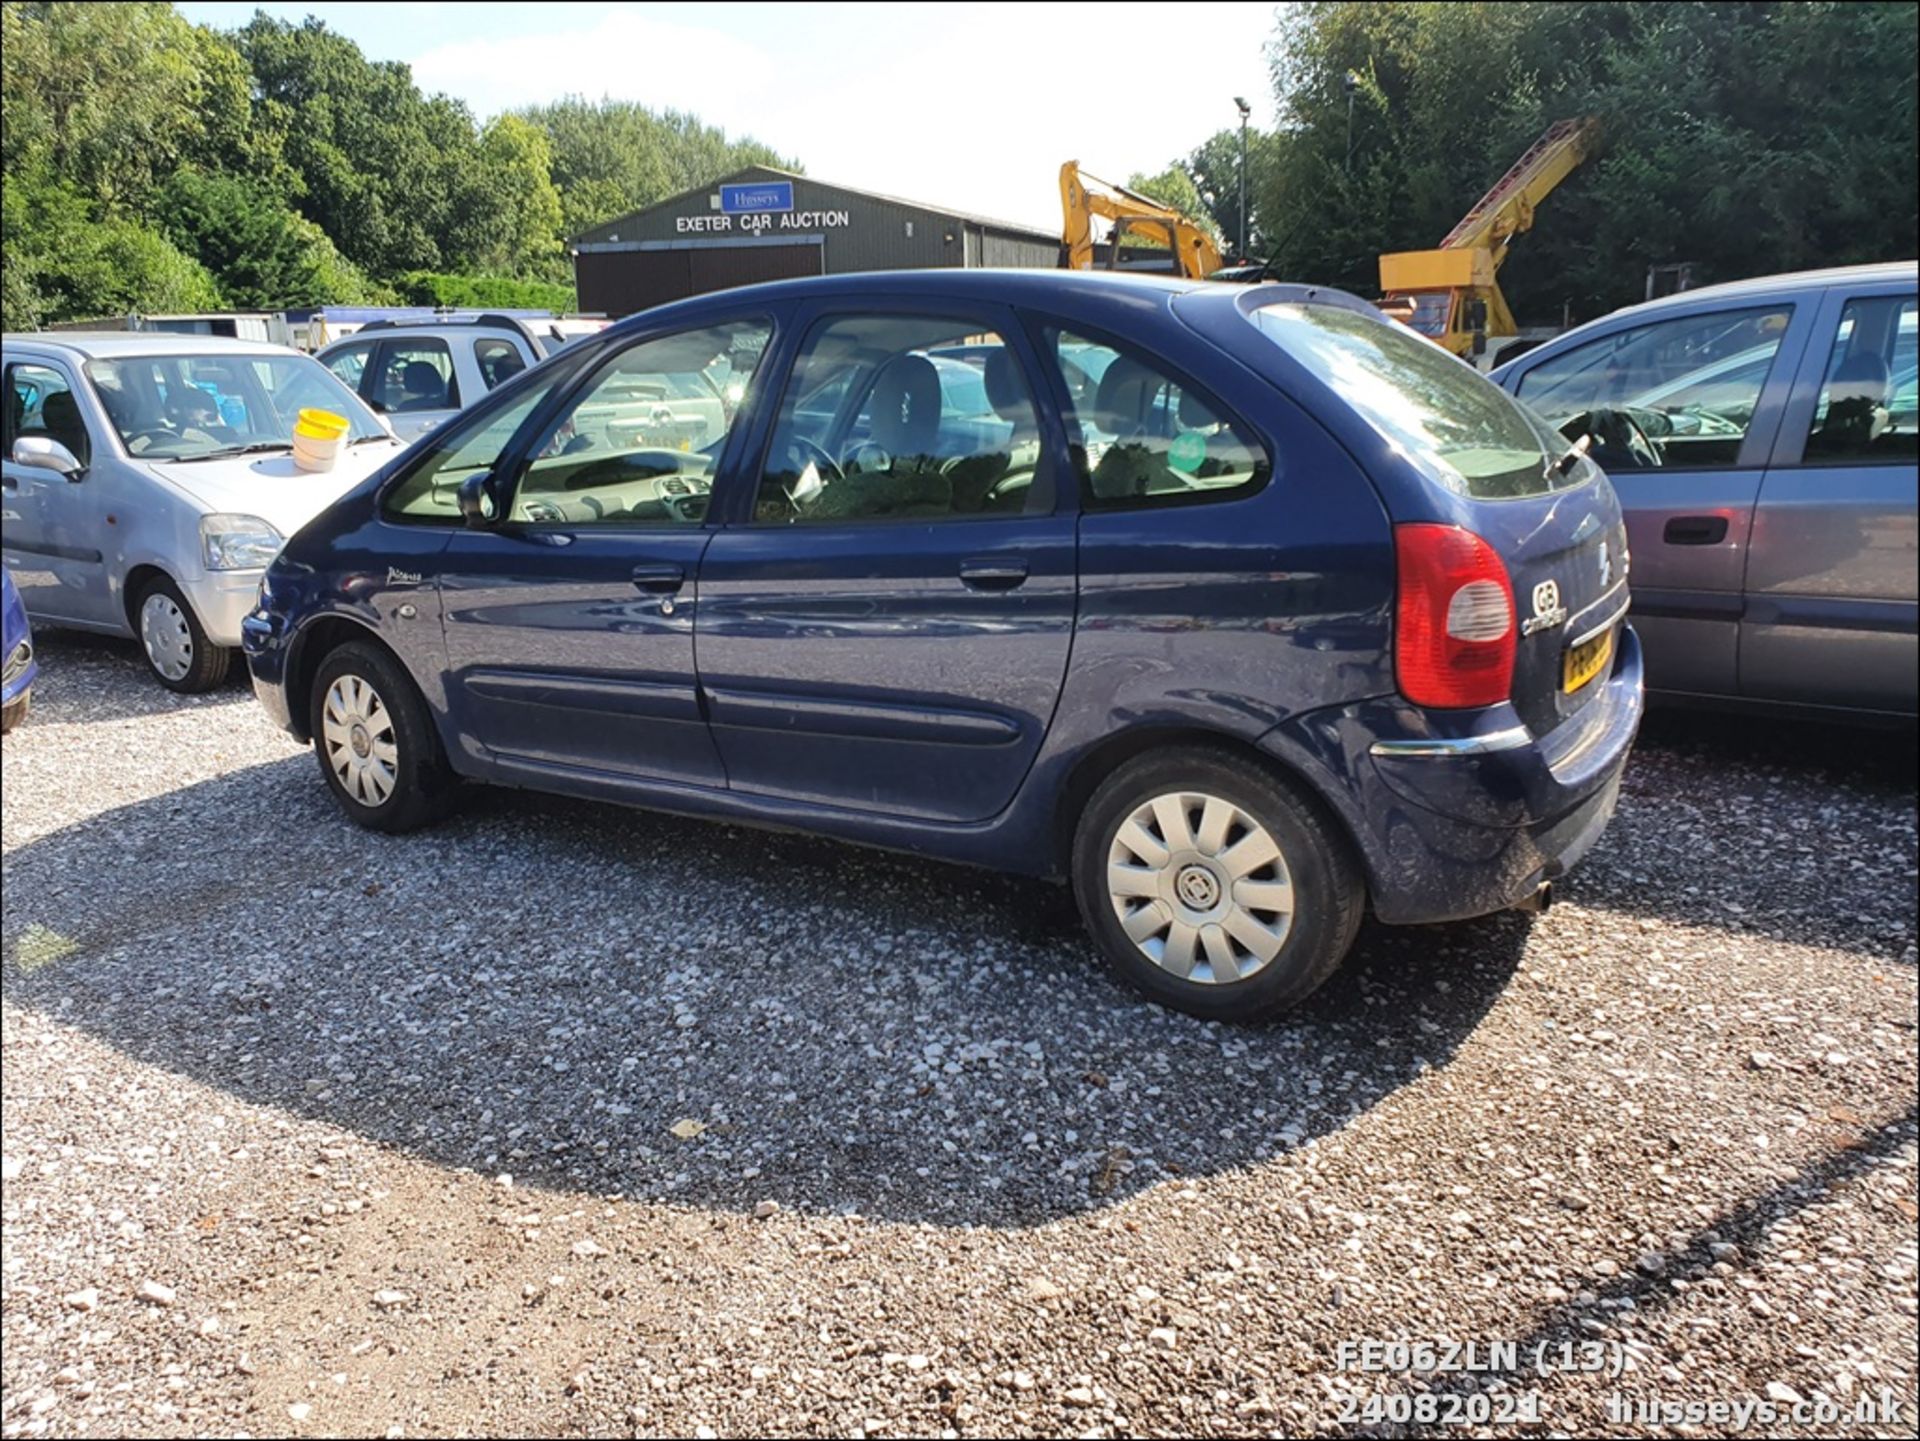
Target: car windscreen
{"type": "Point", "coordinates": [195, 406]}
{"type": "Point", "coordinates": [1460, 428]}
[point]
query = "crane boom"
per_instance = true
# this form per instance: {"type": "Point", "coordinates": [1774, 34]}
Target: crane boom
{"type": "Point", "coordinates": [1082, 197]}
{"type": "Point", "coordinates": [1507, 209]}
{"type": "Point", "coordinates": [1451, 290]}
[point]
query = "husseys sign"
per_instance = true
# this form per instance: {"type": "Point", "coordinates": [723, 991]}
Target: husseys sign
{"type": "Point", "coordinates": [754, 209]}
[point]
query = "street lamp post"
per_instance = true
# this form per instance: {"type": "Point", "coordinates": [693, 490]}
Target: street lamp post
{"type": "Point", "coordinates": [1352, 82]}
{"type": "Point", "coordinates": [1245, 111]}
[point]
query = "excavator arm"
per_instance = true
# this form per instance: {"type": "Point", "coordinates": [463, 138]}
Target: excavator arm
{"type": "Point", "coordinates": [1084, 197]}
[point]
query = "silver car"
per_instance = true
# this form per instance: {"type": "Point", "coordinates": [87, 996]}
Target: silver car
{"type": "Point", "coordinates": [1764, 439]}
{"type": "Point", "coordinates": [149, 481]}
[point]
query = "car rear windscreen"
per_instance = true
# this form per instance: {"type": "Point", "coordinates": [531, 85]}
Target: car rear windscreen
{"type": "Point", "coordinates": [1461, 428]}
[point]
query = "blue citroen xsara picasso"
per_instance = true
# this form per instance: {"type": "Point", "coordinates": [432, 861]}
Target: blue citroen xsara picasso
{"type": "Point", "coordinates": [1240, 607]}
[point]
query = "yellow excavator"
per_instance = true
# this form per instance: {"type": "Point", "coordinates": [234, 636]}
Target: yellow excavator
{"type": "Point", "coordinates": [1449, 294]}
{"type": "Point", "coordinates": [1082, 197]}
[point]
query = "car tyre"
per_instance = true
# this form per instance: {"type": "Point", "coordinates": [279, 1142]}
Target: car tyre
{"type": "Point", "coordinates": [1214, 885]}
{"type": "Point", "coordinates": [174, 642]}
{"type": "Point", "coordinates": [14, 712]}
{"type": "Point", "coordinates": [375, 742]}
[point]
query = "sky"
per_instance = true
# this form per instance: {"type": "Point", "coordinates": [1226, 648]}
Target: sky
{"type": "Point", "coordinates": [968, 106]}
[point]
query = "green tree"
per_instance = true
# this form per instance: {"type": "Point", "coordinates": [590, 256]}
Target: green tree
{"type": "Point", "coordinates": [263, 255]}
{"type": "Point", "coordinates": [507, 215]}
{"type": "Point", "coordinates": [1174, 188]}
{"type": "Point", "coordinates": [1747, 138]}
{"type": "Point", "coordinates": [613, 156]}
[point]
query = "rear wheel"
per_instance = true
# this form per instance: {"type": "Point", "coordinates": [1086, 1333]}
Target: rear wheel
{"type": "Point", "coordinates": [1214, 886]}
{"type": "Point", "coordinates": [174, 642]}
{"type": "Point", "coordinates": [375, 742]}
{"type": "Point", "coordinates": [15, 711]}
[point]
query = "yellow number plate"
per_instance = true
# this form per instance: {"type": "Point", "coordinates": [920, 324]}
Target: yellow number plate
{"type": "Point", "coordinates": [1586, 660]}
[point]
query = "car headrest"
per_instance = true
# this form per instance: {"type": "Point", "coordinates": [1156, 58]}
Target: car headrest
{"type": "Point", "coordinates": [905, 404]}
{"type": "Point", "coordinates": [1126, 394]}
{"type": "Point", "coordinates": [1860, 377]}
{"type": "Point", "coordinates": [1195, 413]}
{"type": "Point", "coordinates": [60, 415]}
{"type": "Point", "coordinates": [1006, 389]}
{"type": "Point", "coordinates": [421, 377]}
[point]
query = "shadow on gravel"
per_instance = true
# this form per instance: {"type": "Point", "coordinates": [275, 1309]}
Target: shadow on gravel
{"type": "Point", "coordinates": [1775, 828]}
{"type": "Point", "coordinates": [547, 988]}
{"type": "Point", "coordinates": [1646, 1283]}
{"type": "Point", "coordinates": [74, 663]}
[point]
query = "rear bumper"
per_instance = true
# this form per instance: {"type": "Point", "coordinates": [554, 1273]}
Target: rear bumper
{"type": "Point", "coordinates": [1456, 826]}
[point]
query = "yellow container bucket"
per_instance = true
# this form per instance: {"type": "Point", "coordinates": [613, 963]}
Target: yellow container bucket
{"type": "Point", "coordinates": [317, 435]}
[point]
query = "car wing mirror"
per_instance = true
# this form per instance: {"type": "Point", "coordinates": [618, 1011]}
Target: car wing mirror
{"type": "Point", "coordinates": [43, 452]}
{"type": "Point", "coordinates": [478, 508]}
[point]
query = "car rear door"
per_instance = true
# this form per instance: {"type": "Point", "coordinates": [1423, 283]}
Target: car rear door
{"type": "Point", "coordinates": [1831, 585]}
{"type": "Point", "coordinates": [569, 623]}
{"type": "Point", "coordinates": [883, 626]}
{"type": "Point", "coordinates": [1707, 383]}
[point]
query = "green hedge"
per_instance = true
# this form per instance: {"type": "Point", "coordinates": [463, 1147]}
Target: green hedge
{"type": "Point", "coordinates": [426, 287]}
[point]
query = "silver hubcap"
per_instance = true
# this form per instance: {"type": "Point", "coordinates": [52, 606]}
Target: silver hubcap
{"type": "Point", "coordinates": [357, 731]}
{"type": "Point", "coordinates": [166, 635]}
{"type": "Point", "coordinates": [1201, 888]}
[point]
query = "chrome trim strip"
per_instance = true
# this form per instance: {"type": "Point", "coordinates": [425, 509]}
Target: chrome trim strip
{"type": "Point", "coordinates": [1607, 624]}
{"type": "Point", "coordinates": [1480, 745]}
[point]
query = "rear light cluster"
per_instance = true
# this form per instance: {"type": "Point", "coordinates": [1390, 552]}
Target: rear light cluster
{"type": "Point", "coordinates": [1454, 631]}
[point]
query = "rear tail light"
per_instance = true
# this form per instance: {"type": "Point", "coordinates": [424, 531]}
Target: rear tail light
{"type": "Point", "coordinates": [1454, 631]}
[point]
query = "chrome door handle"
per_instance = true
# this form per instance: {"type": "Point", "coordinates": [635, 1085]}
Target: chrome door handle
{"type": "Point", "coordinates": [993, 573]}
{"type": "Point", "coordinates": [659, 579]}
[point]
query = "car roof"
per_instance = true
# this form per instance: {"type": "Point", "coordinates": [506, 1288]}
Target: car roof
{"type": "Point", "coordinates": [994, 284]}
{"type": "Point", "coordinates": [119, 344]}
{"type": "Point", "coordinates": [1764, 286]}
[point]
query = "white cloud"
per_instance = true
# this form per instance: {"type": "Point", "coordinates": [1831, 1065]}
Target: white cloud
{"type": "Point", "coordinates": [973, 106]}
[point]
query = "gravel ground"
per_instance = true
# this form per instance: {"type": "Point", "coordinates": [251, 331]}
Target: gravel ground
{"type": "Point", "coordinates": [564, 1119]}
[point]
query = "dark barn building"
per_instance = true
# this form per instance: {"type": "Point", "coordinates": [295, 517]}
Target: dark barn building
{"type": "Point", "coordinates": [763, 224]}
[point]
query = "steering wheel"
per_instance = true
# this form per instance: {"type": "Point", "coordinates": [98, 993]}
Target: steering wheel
{"type": "Point", "coordinates": [1619, 440]}
{"type": "Point", "coordinates": [828, 467]}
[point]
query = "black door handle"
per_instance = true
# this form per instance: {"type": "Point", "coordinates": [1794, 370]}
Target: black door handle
{"type": "Point", "coordinates": [993, 573]}
{"type": "Point", "coordinates": [659, 579]}
{"type": "Point", "coordinates": [1695, 530]}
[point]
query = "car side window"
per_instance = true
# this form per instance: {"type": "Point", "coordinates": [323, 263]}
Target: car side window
{"type": "Point", "coordinates": [429, 493]}
{"type": "Point", "coordinates": [640, 443]}
{"type": "Point", "coordinates": [1867, 412]}
{"type": "Point", "coordinates": [41, 402]}
{"type": "Point", "coordinates": [1143, 436]}
{"type": "Point", "coordinates": [498, 360]}
{"type": "Point", "coordinates": [350, 364]}
{"type": "Point", "coordinates": [902, 417]}
{"type": "Point", "coordinates": [1691, 384]}
{"type": "Point", "coordinates": [415, 375]}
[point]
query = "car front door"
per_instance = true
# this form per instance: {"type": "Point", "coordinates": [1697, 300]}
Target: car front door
{"type": "Point", "coordinates": [1706, 387]}
{"type": "Point", "coordinates": [1832, 603]}
{"type": "Point", "coordinates": [570, 620]}
{"type": "Point", "coordinates": [52, 531]}
{"type": "Point", "coordinates": [885, 619]}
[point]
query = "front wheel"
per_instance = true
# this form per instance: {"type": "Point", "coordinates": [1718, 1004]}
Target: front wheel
{"type": "Point", "coordinates": [15, 711]}
{"type": "Point", "coordinates": [175, 643]}
{"type": "Point", "coordinates": [1213, 886]}
{"type": "Point", "coordinates": [375, 741]}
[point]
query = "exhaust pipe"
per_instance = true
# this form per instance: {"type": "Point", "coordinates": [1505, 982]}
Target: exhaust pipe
{"type": "Point", "coordinates": [1539, 901]}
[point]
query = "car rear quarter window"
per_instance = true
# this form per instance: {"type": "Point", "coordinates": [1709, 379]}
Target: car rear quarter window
{"type": "Point", "coordinates": [1146, 436]}
{"type": "Point", "coordinates": [1459, 427]}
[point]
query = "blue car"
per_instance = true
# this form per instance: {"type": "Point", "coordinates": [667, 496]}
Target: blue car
{"type": "Point", "coordinates": [1286, 614]}
{"type": "Point", "coordinates": [16, 640]}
